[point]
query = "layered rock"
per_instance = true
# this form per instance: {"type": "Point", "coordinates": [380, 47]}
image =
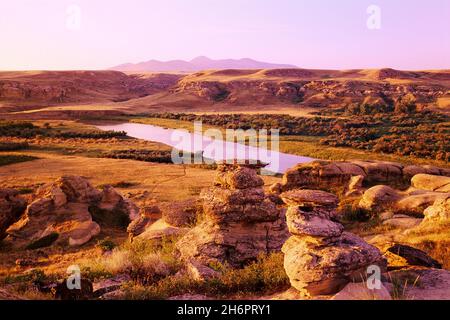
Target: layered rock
{"type": "Point", "coordinates": [379, 197]}
{"type": "Point", "coordinates": [320, 257]}
{"type": "Point", "coordinates": [431, 182]}
{"type": "Point", "coordinates": [239, 221]}
{"type": "Point", "coordinates": [62, 212]}
{"type": "Point", "coordinates": [425, 190]}
{"type": "Point", "coordinates": [439, 211]}
{"type": "Point", "coordinates": [12, 206]}
{"type": "Point", "coordinates": [329, 175]}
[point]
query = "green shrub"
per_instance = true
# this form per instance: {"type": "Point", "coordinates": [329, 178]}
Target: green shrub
{"type": "Point", "coordinates": [265, 275]}
{"type": "Point", "coordinates": [106, 244]}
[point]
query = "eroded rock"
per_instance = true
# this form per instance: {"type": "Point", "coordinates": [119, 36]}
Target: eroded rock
{"type": "Point", "coordinates": [62, 212]}
{"type": "Point", "coordinates": [239, 221]}
{"type": "Point", "coordinates": [431, 182]}
{"type": "Point", "coordinates": [320, 258]}
{"type": "Point", "coordinates": [378, 198]}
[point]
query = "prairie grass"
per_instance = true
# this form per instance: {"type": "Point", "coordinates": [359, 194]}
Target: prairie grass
{"type": "Point", "coordinates": [264, 276]}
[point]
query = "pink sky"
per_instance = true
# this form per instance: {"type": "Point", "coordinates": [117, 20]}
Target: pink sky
{"type": "Point", "coordinates": [414, 34]}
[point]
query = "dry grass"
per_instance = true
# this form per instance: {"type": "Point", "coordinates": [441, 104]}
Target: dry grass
{"type": "Point", "coordinates": [264, 276]}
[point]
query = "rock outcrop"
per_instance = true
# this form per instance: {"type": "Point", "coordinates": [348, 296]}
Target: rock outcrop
{"type": "Point", "coordinates": [379, 197]}
{"type": "Point", "coordinates": [63, 212]}
{"type": "Point", "coordinates": [439, 211]}
{"type": "Point", "coordinates": [330, 175]}
{"type": "Point", "coordinates": [320, 257]}
{"type": "Point", "coordinates": [173, 219]}
{"type": "Point", "coordinates": [412, 257]}
{"type": "Point", "coordinates": [239, 221]}
{"type": "Point", "coordinates": [12, 206]}
{"type": "Point", "coordinates": [431, 182]}
{"type": "Point", "coordinates": [423, 193]}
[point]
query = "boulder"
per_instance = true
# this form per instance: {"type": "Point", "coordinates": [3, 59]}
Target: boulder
{"type": "Point", "coordinates": [76, 189]}
{"type": "Point", "coordinates": [326, 269]}
{"type": "Point", "coordinates": [411, 171]}
{"type": "Point", "coordinates": [413, 256]}
{"type": "Point", "coordinates": [378, 198]}
{"type": "Point", "coordinates": [62, 213]}
{"type": "Point", "coordinates": [310, 197]}
{"type": "Point", "coordinates": [12, 206]}
{"type": "Point", "coordinates": [381, 171]}
{"type": "Point", "coordinates": [320, 258]}
{"type": "Point", "coordinates": [335, 175]}
{"type": "Point", "coordinates": [415, 204]}
{"type": "Point", "coordinates": [431, 182]}
{"type": "Point", "coordinates": [237, 177]}
{"type": "Point", "coordinates": [439, 211]}
{"type": "Point", "coordinates": [402, 221]}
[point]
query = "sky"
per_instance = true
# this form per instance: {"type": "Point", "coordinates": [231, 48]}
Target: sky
{"type": "Point", "coordinates": [320, 34]}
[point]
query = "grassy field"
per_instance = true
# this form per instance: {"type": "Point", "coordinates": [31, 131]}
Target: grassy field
{"type": "Point", "coordinates": [7, 159]}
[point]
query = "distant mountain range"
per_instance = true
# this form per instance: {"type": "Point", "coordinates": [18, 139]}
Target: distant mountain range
{"type": "Point", "coordinates": [197, 64]}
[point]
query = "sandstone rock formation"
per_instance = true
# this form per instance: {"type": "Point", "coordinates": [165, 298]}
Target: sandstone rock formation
{"type": "Point", "coordinates": [413, 256]}
{"type": "Point", "coordinates": [439, 211]}
{"type": "Point", "coordinates": [379, 197]}
{"type": "Point", "coordinates": [330, 175]}
{"type": "Point", "coordinates": [424, 192]}
{"type": "Point", "coordinates": [173, 219]}
{"type": "Point", "coordinates": [431, 182]}
{"type": "Point", "coordinates": [180, 213]}
{"type": "Point", "coordinates": [239, 221]}
{"type": "Point", "coordinates": [148, 215]}
{"type": "Point", "coordinates": [12, 206]}
{"type": "Point", "coordinates": [62, 212]}
{"type": "Point", "coordinates": [320, 258]}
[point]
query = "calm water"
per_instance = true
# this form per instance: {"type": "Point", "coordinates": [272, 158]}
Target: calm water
{"type": "Point", "coordinates": [216, 149]}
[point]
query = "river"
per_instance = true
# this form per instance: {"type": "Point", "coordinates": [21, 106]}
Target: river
{"type": "Point", "coordinates": [213, 148]}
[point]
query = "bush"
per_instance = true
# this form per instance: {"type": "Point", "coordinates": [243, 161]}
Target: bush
{"type": "Point", "coordinates": [144, 262]}
{"type": "Point", "coordinates": [106, 244]}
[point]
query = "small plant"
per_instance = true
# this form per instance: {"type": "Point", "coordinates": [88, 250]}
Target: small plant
{"type": "Point", "coordinates": [401, 283]}
{"type": "Point", "coordinates": [106, 244]}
